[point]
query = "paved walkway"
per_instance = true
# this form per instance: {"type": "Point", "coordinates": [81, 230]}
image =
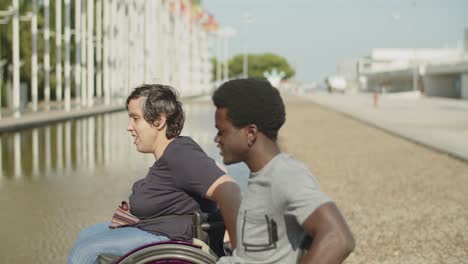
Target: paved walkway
{"type": "Point", "coordinates": [439, 123]}
{"type": "Point", "coordinates": [28, 120]}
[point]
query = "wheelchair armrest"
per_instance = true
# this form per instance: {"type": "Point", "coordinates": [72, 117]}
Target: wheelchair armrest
{"type": "Point", "coordinates": [209, 228]}
{"type": "Point", "coordinates": [202, 222]}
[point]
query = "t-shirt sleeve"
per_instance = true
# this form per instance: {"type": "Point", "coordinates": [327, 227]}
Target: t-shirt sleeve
{"type": "Point", "coordinates": [192, 170]}
{"type": "Point", "coordinates": [299, 193]}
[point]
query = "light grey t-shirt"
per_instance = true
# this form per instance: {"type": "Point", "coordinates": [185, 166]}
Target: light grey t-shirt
{"type": "Point", "coordinates": [277, 201]}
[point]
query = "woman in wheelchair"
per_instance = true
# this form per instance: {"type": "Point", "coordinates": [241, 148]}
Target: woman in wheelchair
{"type": "Point", "coordinates": [206, 246]}
{"type": "Point", "coordinates": [182, 181]}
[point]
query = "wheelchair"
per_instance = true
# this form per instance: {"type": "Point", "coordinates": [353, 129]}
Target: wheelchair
{"type": "Point", "coordinates": [207, 246]}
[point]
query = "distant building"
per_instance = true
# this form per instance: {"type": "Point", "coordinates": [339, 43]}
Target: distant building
{"type": "Point", "coordinates": [434, 72]}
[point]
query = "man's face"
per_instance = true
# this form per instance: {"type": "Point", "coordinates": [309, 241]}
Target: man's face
{"type": "Point", "coordinates": [231, 141]}
{"type": "Point", "coordinates": [143, 133]}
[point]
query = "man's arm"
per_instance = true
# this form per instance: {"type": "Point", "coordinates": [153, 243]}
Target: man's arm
{"type": "Point", "coordinates": [226, 193]}
{"type": "Point", "coordinates": [332, 239]}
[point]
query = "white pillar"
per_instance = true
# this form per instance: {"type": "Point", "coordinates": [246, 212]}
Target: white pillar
{"type": "Point", "coordinates": [90, 60]}
{"type": "Point", "coordinates": [99, 48]}
{"type": "Point", "coordinates": [106, 52]}
{"type": "Point", "coordinates": [166, 51]}
{"type": "Point", "coordinates": [46, 55]}
{"type": "Point", "coordinates": [58, 53]}
{"type": "Point", "coordinates": [128, 76]}
{"type": "Point", "coordinates": [83, 54]}
{"type": "Point", "coordinates": [34, 56]}
{"type": "Point", "coordinates": [16, 62]}
{"type": "Point", "coordinates": [78, 48]}
{"type": "Point", "coordinates": [67, 56]}
{"type": "Point", "coordinates": [175, 71]}
{"type": "Point", "coordinates": [145, 43]}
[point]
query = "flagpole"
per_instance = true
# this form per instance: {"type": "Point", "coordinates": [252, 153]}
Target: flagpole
{"type": "Point", "coordinates": [34, 56]}
{"type": "Point", "coordinates": [16, 61]}
{"type": "Point", "coordinates": [67, 56]}
{"type": "Point", "coordinates": [58, 53]}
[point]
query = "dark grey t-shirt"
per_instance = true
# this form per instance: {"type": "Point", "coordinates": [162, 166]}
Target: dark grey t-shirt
{"type": "Point", "coordinates": [175, 185]}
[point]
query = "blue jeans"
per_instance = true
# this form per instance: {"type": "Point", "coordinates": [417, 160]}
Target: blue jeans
{"type": "Point", "coordinates": [100, 239]}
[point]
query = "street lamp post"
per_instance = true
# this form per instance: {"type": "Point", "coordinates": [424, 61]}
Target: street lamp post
{"type": "Point", "coordinates": [228, 32]}
{"type": "Point", "coordinates": [34, 56]}
{"type": "Point", "coordinates": [16, 62]}
{"type": "Point", "coordinates": [247, 19]}
{"type": "Point", "coordinates": [58, 53]}
{"type": "Point", "coordinates": [46, 4]}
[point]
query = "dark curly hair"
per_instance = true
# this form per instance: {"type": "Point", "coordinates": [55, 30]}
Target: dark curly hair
{"type": "Point", "coordinates": [160, 99]}
{"type": "Point", "coordinates": [252, 101]}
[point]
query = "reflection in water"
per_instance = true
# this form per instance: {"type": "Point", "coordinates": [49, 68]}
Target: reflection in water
{"type": "Point", "coordinates": [87, 143]}
{"type": "Point", "coordinates": [17, 153]}
{"type": "Point", "coordinates": [1, 160]}
{"type": "Point", "coordinates": [107, 139]}
{"type": "Point", "coordinates": [90, 152]}
{"type": "Point", "coordinates": [68, 145]}
{"type": "Point", "coordinates": [35, 152]}
{"type": "Point", "coordinates": [59, 145]}
{"type": "Point", "coordinates": [99, 140]}
{"type": "Point", "coordinates": [48, 163]}
{"type": "Point", "coordinates": [77, 142]}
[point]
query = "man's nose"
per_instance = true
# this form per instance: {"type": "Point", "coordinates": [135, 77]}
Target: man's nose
{"type": "Point", "coordinates": [216, 139]}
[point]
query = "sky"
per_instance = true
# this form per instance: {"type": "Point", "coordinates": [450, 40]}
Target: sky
{"type": "Point", "coordinates": [315, 35]}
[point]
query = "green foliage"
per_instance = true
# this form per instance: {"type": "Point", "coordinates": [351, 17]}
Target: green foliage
{"type": "Point", "coordinates": [258, 64]}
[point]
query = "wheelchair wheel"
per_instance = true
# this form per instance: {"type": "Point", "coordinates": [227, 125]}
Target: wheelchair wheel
{"type": "Point", "coordinates": [169, 253]}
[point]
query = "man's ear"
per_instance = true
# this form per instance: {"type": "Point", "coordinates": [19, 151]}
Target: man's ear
{"type": "Point", "coordinates": [252, 132]}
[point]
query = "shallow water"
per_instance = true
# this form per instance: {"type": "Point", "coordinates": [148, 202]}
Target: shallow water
{"type": "Point", "coordinates": [58, 179]}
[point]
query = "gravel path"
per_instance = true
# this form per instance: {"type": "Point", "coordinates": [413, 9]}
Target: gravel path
{"type": "Point", "coordinates": [404, 202]}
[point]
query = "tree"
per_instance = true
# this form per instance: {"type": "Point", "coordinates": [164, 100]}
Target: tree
{"type": "Point", "coordinates": [258, 64]}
